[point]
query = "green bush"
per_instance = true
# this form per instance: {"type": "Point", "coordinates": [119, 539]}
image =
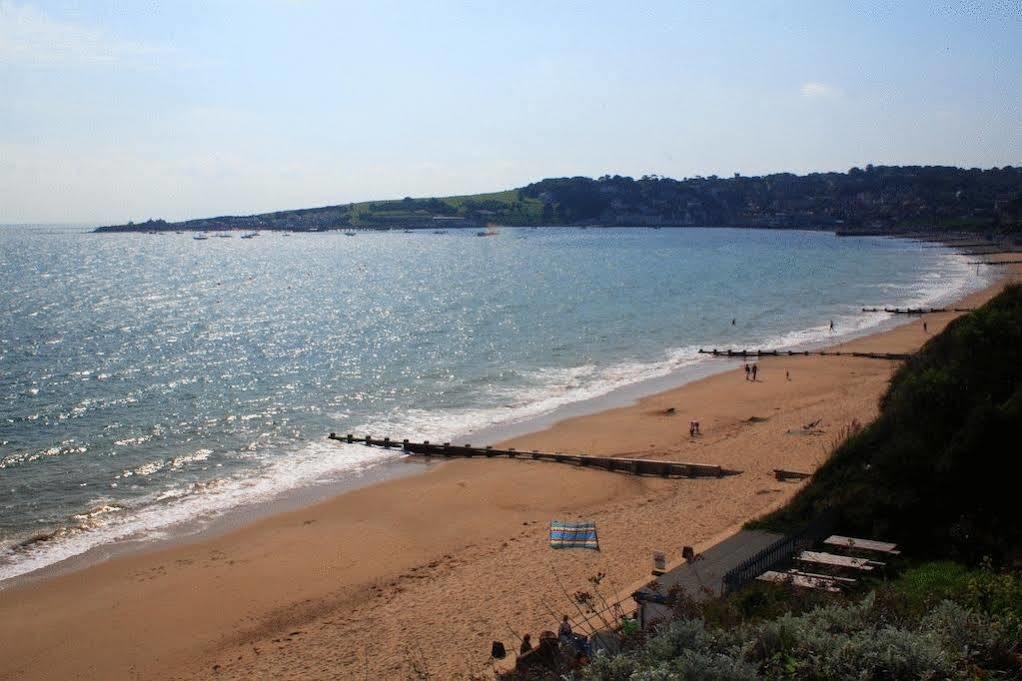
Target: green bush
{"type": "Point", "coordinates": [829, 643]}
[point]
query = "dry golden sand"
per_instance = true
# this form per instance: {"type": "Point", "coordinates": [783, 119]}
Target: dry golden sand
{"type": "Point", "coordinates": [422, 573]}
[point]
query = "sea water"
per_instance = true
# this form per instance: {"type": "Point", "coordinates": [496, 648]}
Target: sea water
{"type": "Point", "coordinates": [152, 380]}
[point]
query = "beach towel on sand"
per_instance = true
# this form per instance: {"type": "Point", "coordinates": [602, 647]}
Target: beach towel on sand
{"type": "Point", "coordinates": [573, 535]}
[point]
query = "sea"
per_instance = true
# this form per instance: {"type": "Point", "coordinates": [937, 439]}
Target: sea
{"type": "Point", "coordinates": [150, 383]}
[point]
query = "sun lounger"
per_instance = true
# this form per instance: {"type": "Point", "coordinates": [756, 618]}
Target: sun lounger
{"type": "Point", "coordinates": [834, 560]}
{"type": "Point", "coordinates": [799, 580]}
{"type": "Point", "coordinates": [863, 544]}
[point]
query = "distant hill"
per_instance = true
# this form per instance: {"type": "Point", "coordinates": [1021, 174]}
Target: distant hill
{"type": "Point", "coordinates": [877, 199]}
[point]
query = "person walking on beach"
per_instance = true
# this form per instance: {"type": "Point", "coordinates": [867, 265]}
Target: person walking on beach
{"type": "Point", "coordinates": [748, 369]}
{"type": "Point", "coordinates": [924, 328]}
{"type": "Point", "coordinates": [755, 369]}
{"type": "Point", "coordinates": [831, 324]}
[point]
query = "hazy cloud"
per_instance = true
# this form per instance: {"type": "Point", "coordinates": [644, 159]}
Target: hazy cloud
{"type": "Point", "coordinates": [28, 36]}
{"type": "Point", "coordinates": [816, 90]}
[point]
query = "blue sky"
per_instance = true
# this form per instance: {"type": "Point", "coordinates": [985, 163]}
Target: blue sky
{"type": "Point", "coordinates": [111, 111]}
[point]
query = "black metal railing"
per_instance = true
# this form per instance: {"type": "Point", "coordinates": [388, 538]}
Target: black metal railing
{"type": "Point", "coordinates": [777, 553]}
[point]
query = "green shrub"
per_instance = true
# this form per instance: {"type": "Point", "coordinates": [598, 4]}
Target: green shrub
{"type": "Point", "coordinates": [829, 643]}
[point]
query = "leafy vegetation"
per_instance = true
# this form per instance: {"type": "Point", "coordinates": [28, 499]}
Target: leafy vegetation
{"type": "Point", "coordinates": [863, 640]}
{"type": "Point", "coordinates": [938, 620]}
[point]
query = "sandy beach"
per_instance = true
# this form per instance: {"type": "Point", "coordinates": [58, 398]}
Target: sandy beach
{"type": "Point", "coordinates": [420, 574]}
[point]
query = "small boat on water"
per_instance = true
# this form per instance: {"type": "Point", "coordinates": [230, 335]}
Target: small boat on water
{"type": "Point", "coordinates": [200, 237]}
{"type": "Point", "coordinates": [349, 233]}
{"type": "Point", "coordinates": [440, 231]}
{"type": "Point", "coordinates": [223, 235]}
{"type": "Point", "coordinates": [490, 231]}
{"type": "Point", "coordinates": [250, 235]}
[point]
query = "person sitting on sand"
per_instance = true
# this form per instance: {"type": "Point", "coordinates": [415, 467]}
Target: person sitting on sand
{"type": "Point", "coordinates": [565, 628]}
{"type": "Point", "coordinates": [526, 645]}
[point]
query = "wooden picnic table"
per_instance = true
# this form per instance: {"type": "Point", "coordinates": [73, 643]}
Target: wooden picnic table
{"type": "Point", "coordinates": [864, 544]}
{"type": "Point", "coordinates": [834, 560]}
{"type": "Point", "coordinates": [800, 580]}
{"type": "Point", "coordinates": [848, 581]}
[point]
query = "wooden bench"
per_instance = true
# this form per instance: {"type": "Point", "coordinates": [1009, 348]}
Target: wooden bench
{"type": "Point", "coordinates": [834, 560]}
{"type": "Point", "coordinates": [853, 543]}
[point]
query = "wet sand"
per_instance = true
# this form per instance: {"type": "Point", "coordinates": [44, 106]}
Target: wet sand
{"type": "Point", "coordinates": [423, 572]}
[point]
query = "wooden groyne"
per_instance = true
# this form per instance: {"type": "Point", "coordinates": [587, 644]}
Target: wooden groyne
{"type": "Point", "coordinates": [803, 353]}
{"type": "Point", "coordinates": [996, 262]}
{"type": "Point", "coordinates": [916, 310]}
{"type": "Point", "coordinates": [665, 469]}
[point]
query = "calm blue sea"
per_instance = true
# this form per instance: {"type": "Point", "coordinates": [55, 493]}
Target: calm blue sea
{"type": "Point", "coordinates": [148, 380]}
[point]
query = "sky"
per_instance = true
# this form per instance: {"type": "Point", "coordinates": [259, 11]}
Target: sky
{"type": "Point", "coordinates": [114, 111]}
